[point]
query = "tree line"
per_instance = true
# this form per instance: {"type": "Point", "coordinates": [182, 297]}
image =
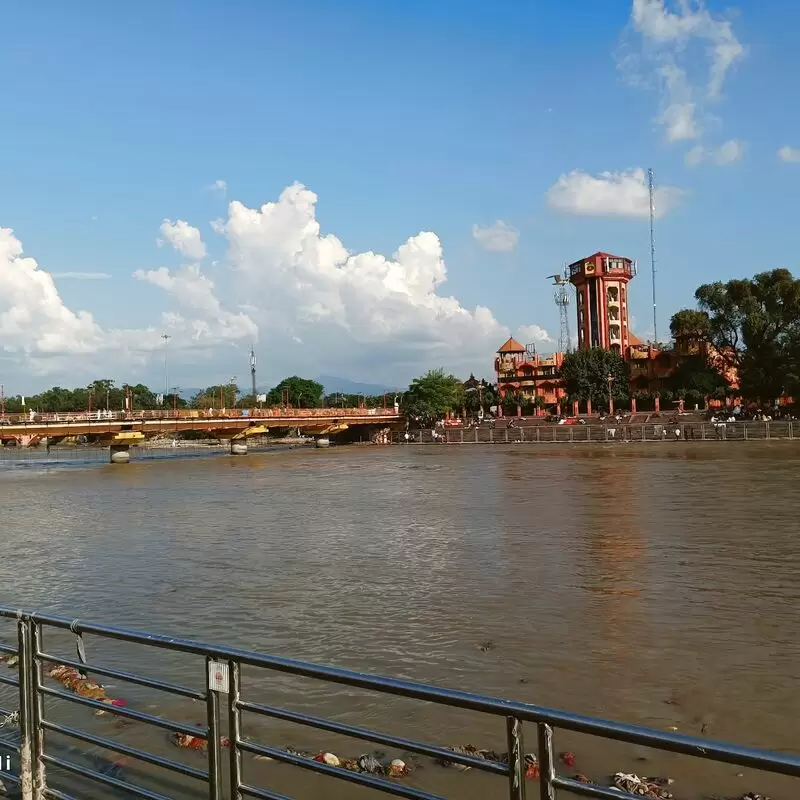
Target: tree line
{"type": "Point", "coordinates": [106, 394]}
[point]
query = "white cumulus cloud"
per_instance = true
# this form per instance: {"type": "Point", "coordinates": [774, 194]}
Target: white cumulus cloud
{"type": "Point", "coordinates": [728, 153]}
{"type": "Point", "coordinates": [497, 238]}
{"type": "Point", "coordinates": [219, 186]}
{"type": "Point", "coordinates": [316, 306]}
{"type": "Point", "coordinates": [789, 154]}
{"type": "Point", "coordinates": [363, 312]}
{"type": "Point", "coordinates": [534, 333]}
{"type": "Point", "coordinates": [610, 194]}
{"type": "Point", "coordinates": [183, 237]}
{"type": "Point", "coordinates": [688, 52]}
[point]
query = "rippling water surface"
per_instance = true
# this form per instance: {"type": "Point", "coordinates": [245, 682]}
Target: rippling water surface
{"type": "Point", "coordinates": [646, 583]}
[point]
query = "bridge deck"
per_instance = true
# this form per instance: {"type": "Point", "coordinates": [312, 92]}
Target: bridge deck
{"type": "Point", "coordinates": [151, 423]}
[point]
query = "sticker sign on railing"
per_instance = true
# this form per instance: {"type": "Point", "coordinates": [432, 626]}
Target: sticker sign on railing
{"type": "Point", "coordinates": [218, 676]}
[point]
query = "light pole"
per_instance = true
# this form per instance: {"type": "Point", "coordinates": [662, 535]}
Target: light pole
{"type": "Point", "coordinates": [166, 337]}
{"type": "Point", "coordinates": [175, 390]}
{"type": "Point", "coordinates": [232, 384]}
{"type": "Point", "coordinates": [610, 380]}
{"type": "Point", "coordinates": [253, 372]}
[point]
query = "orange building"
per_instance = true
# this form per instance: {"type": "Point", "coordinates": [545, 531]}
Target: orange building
{"type": "Point", "coordinates": [528, 377]}
{"type": "Point", "coordinates": [601, 290]}
{"type": "Point", "coordinates": [601, 300]}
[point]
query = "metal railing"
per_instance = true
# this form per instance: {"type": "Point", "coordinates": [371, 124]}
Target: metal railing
{"type": "Point", "coordinates": [222, 673]}
{"type": "Point", "coordinates": [286, 412]}
{"type": "Point", "coordinates": [615, 432]}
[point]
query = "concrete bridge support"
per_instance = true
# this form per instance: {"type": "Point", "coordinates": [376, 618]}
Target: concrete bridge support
{"type": "Point", "coordinates": [238, 447]}
{"type": "Point", "coordinates": [120, 453]}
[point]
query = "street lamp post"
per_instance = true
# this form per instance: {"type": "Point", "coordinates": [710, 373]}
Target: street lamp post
{"type": "Point", "coordinates": [610, 380]}
{"type": "Point", "coordinates": [253, 372]}
{"type": "Point", "coordinates": [175, 390]}
{"type": "Point", "coordinates": [166, 337]}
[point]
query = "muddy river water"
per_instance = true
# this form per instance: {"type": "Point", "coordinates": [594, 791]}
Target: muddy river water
{"type": "Point", "coordinates": [650, 584]}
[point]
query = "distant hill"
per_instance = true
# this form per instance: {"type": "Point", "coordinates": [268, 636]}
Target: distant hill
{"type": "Point", "coordinates": [333, 384]}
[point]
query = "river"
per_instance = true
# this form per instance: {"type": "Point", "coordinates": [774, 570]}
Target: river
{"type": "Point", "coordinates": [652, 584]}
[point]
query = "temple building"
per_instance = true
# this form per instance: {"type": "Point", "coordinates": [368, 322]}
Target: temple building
{"type": "Point", "coordinates": [601, 307]}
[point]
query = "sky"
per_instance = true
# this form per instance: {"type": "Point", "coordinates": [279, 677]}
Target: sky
{"type": "Point", "coordinates": [371, 189]}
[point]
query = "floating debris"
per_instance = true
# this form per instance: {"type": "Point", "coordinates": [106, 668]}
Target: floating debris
{"type": "Point", "coordinates": [397, 769]}
{"type": "Point", "coordinates": [10, 661]}
{"type": "Point", "coordinates": [70, 678]}
{"type": "Point", "coordinates": [643, 787]}
{"type": "Point", "coordinates": [753, 796]}
{"type": "Point", "coordinates": [369, 764]}
{"type": "Point", "coordinates": [327, 758]}
{"type": "Point", "coordinates": [189, 742]}
{"type": "Point", "coordinates": [567, 759]}
{"type": "Point", "coordinates": [486, 646]}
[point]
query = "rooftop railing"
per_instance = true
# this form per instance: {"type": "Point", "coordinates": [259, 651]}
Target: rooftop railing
{"type": "Point", "coordinates": [221, 668]}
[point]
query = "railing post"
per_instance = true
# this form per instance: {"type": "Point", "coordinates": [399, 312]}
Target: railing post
{"type": "Point", "coordinates": [212, 726]}
{"type": "Point", "coordinates": [547, 770]}
{"type": "Point", "coordinates": [766, 425]}
{"type": "Point", "coordinates": [26, 730]}
{"type": "Point", "coordinates": [37, 710]}
{"type": "Point", "coordinates": [234, 731]}
{"type": "Point", "coordinates": [516, 759]}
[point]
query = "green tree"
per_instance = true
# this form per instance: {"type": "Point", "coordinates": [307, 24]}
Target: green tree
{"type": "Point", "coordinates": [690, 329]}
{"type": "Point", "coordinates": [752, 326]}
{"type": "Point", "coordinates": [694, 374]}
{"type": "Point", "coordinates": [298, 392]}
{"type": "Point", "coordinates": [433, 395]}
{"type": "Point", "coordinates": [219, 396]}
{"type": "Point", "coordinates": [585, 374]}
{"type": "Point", "coordinates": [484, 396]}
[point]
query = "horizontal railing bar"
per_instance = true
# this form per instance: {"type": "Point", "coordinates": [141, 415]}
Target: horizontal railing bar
{"type": "Point", "coordinates": [5, 648]}
{"type": "Point", "coordinates": [592, 790]}
{"type": "Point", "coordinates": [373, 736]}
{"type": "Point", "coordinates": [56, 795]}
{"type": "Point", "coordinates": [171, 688]}
{"type": "Point", "coordinates": [7, 776]}
{"type": "Point", "coordinates": [126, 712]}
{"type": "Point", "coordinates": [110, 744]}
{"type": "Point", "coordinates": [106, 779]}
{"type": "Point", "coordinates": [262, 794]}
{"type": "Point", "coordinates": [335, 772]}
{"type": "Point", "coordinates": [9, 681]}
{"type": "Point", "coordinates": [633, 734]}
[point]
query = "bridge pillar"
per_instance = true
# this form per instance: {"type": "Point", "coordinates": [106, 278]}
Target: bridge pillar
{"type": "Point", "coordinates": [238, 447]}
{"type": "Point", "coordinates": [120, 453]}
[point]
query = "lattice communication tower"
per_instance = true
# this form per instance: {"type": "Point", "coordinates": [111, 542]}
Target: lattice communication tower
{"type": "Point", "coordinates": [561, 295]}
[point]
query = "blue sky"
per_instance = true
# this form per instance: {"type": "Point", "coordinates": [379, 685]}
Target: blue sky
{"type": "Point", "coordinates": [400, 118]}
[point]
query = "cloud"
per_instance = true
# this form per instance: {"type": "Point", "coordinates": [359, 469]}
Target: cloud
{"type": "Point", "coordinates": [727, 153]}
{"type": "Point", "coordinates": [219, 186]}
{"type": "Point", "coordinates": [687, 52]}
{"type": "Point", "coordinates": [82, 276]}
{"type": "Point", "coordinates": [283, 279]}
{"type": "Point", "coordinates": [497, 238]}
{"type": "Point", "coordinates": [195, 292]}
{"type": "Point", "coordinates": [789, 154]}
{"type": "Point", "coordinates": [363, 311]}
{"type": "Point", "coordinates": [535, 334]}
{"type": "Point", "coordinates": [183, 237]}
{"type": "Point", "coordinates": [610, 194]}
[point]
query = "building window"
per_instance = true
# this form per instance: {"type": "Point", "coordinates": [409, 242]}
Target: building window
{"type": "Point", "coordinates": [613, 294]}
{"type": "Point", "coordinates": [614, 331]}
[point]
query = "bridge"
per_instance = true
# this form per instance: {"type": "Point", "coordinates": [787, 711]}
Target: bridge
{"type": "Point", "coordinates": [122, 430]}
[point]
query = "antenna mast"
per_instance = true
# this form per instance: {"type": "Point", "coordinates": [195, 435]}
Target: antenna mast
{"type": "Point", "coordinates": [561, 296]}
{"type": "Point", "coordinates": [651, 188]}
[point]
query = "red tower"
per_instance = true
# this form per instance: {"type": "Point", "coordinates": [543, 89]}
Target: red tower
{"type": "Point", "coordinates": [601, 288]}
